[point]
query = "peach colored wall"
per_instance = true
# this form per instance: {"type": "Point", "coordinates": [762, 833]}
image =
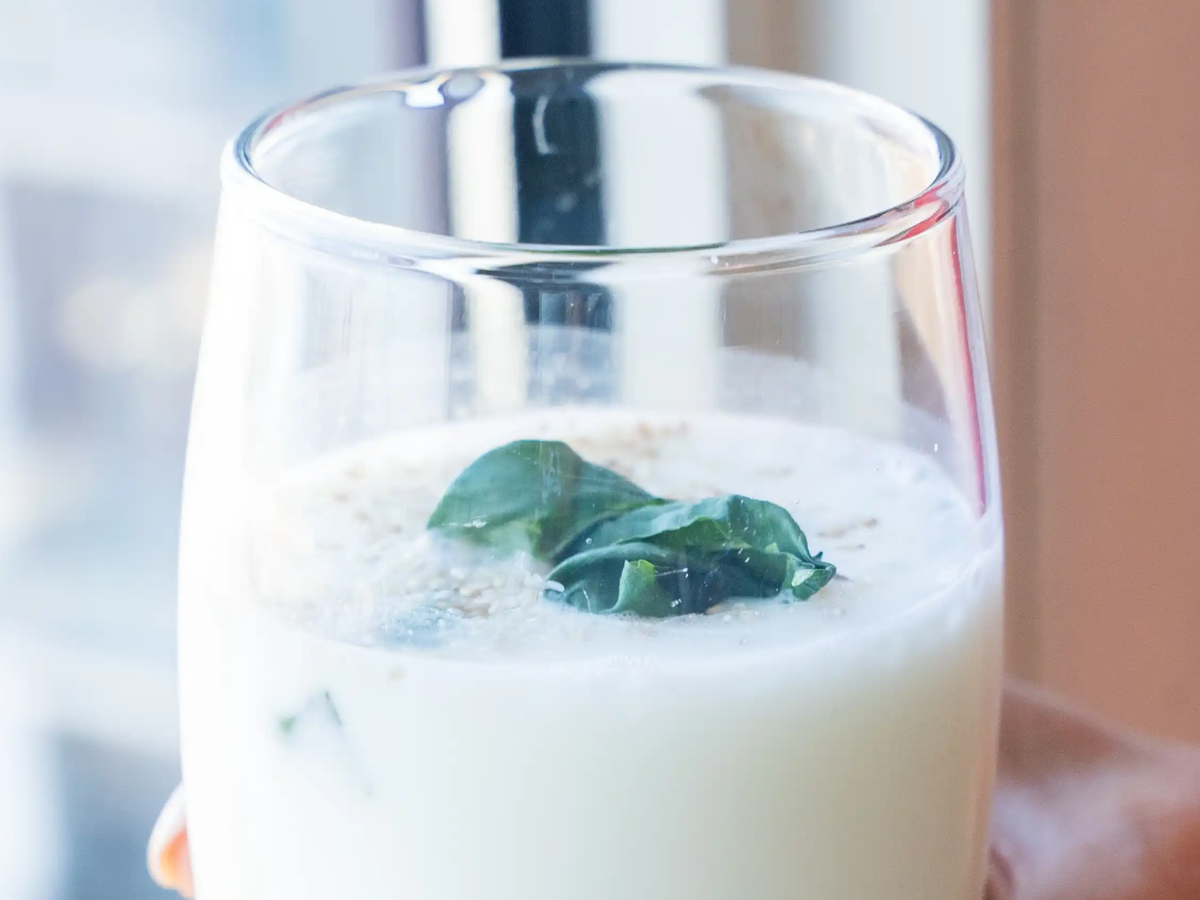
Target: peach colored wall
{"type": "Point", "coordinates": [1097, 340]}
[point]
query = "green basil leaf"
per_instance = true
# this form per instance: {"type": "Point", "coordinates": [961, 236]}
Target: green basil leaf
{"type": "Point", "coordinates": [786, 573]}
{"type": "Point", "coordinates": [536, 496]}
{"type": "Point", "coordinates": [655, 582]}
{"type": "Point", "coordinates": [758, 536]}
{"type": "Point", "coordinates": [624, 578]}
{"type": "Point", "coordinates": [639, 592]}
{"type": "Point", "coordinates": [715, 523]}
{"type": "Point", "coordinates": [619, 549]}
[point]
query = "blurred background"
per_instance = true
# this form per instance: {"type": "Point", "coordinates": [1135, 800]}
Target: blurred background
{"type": "Point", "coordinates": [1081, 134]}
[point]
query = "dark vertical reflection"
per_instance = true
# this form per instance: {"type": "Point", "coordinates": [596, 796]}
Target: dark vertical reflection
{"type": "Point", "coordinates": [544, 28]}
{"type": "Point", "coordinates": [555, 126]}
{"type": "Point", "coordinates": [557, 145]}
{"type": "Point", "coordinates": [556, 139]}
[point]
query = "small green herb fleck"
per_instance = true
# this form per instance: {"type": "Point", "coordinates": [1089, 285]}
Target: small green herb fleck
{"type": "Point", "coordinates": [319, 704]}
{"type": "Point", "coordinates": [618, 549]}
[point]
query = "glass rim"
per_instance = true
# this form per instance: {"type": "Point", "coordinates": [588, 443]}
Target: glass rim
{"type": "Point", "coordinates": [340, 234]}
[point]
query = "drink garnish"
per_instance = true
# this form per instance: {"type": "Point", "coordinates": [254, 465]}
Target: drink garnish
{"type": "Point", "coordinates": [616, 548]}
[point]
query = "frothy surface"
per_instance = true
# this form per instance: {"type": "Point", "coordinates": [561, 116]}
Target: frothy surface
{"type": "Point", "coordinates": [340, 547]}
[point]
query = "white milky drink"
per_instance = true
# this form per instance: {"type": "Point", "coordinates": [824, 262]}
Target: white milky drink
{"type": "Point", "coordinates": [372, 712]}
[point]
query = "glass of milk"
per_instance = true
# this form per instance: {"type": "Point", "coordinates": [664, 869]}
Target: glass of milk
{"type": "Point", "coordinates": [711, 282]}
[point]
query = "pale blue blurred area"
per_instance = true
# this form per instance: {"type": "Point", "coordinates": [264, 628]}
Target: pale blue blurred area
{"type": "Point", "coordinates": [112, 117]}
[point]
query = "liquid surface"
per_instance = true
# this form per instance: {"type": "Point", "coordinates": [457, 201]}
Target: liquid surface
{"type": "Point", "coordinates": [341, 549]}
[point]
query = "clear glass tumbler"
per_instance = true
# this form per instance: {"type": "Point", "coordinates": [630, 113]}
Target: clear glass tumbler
{"type": "Point", "coordinates": [521, 390]}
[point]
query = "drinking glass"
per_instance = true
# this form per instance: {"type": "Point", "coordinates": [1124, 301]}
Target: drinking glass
{"type": "Point", "coordinates": [543, 283]}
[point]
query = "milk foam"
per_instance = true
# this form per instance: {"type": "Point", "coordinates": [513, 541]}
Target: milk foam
{"type": "Point", "coordinates": [340, 546]}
